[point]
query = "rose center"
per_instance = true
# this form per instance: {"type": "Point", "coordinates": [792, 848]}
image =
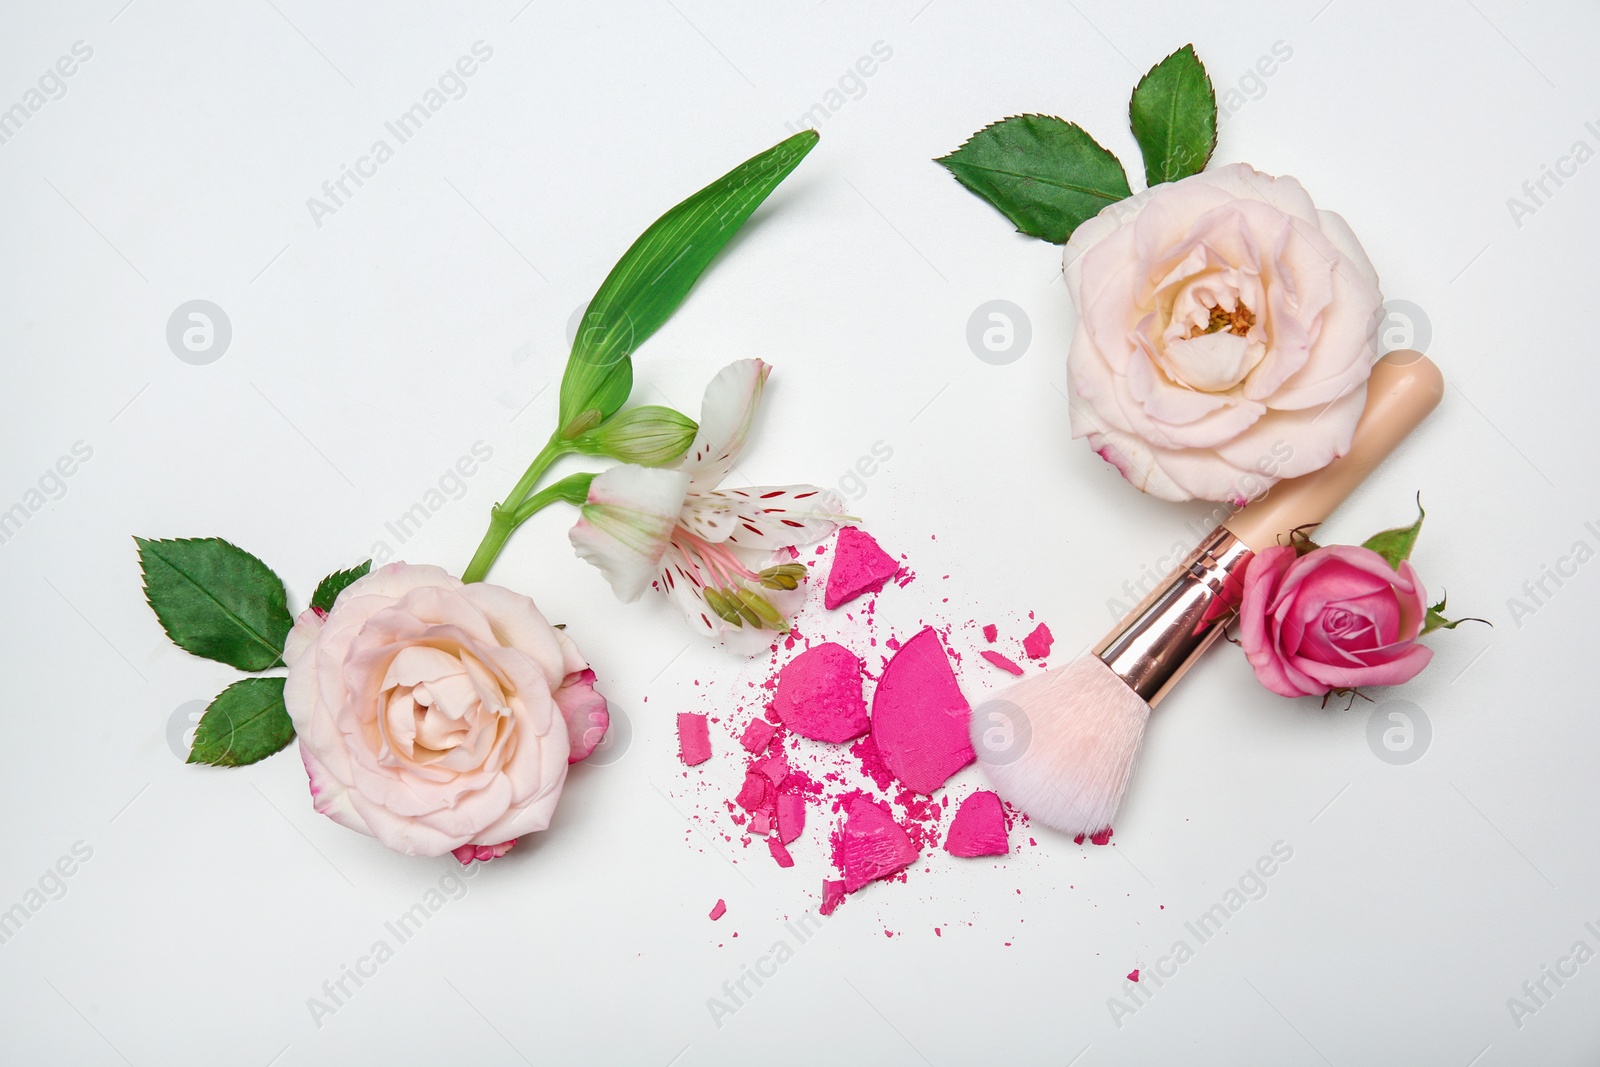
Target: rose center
{"type": "Point", "coordinates": [1340, 622]}
{"type": "Point", "coordinates": [1238, 321]}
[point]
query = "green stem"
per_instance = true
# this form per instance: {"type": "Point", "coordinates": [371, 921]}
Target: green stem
{"type": "Point", "coordinates": [503, 517]}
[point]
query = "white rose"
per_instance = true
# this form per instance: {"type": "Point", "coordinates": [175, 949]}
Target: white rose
{"type": "Point", "coordinates": [438, 717]}
{"type": "Point", "coordinates": [1226, 328]}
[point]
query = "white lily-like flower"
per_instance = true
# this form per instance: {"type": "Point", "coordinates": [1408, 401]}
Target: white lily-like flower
{"type": "Point", "coordinates": [725, 556]}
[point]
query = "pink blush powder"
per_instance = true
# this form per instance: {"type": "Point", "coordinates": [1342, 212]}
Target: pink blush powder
{"type": "Point", "coordinates": [1037, 644]}
{"type": "Point", "coordinates": [718, 910]}
{"type": "Point", "coordinates": [832, 895]}
{"type": "Point", "coordinates": [919, 717]}
{"type": "Point", "coordinates": [873, 846]}
{"type": "Point", "coordinates": [757, 736]}
{"type": "Point", "coordinates": [1002, 662]}
{"type": "Point", "coordinates": [694, 739]}
{"type": "Point", "coordinates": [859, 566]}
{"type": "Point", "coordinates": [779, 853]}
{"type": "Point", "coordinates": [990, 632]}
{"type": "Point", "coordinates": [791, 816]}
{"type": "Point", "coordinates": [819, 694]}
{"type": "Point", "coordinates": [979, 828]}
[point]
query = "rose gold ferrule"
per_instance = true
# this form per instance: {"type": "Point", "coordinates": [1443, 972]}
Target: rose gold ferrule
{"type": "Point", "coordinates": [1152, 647]}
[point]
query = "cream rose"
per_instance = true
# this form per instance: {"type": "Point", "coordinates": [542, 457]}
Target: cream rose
{"type": "Point", "coordinates": [436, 716]}
{"type": "Point", "coordinates": [1226, 328]}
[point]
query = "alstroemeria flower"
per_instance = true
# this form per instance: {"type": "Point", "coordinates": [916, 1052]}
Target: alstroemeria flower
{"type": "Point", "coordinates": [725, 556]}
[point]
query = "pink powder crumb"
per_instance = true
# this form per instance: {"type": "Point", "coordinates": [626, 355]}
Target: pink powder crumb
{"type": "Point", "coordinates": [1002, 662]}
{"type": "Point", "coordinates": [1133, 975]}
{"type": "Point", "coordinates": [979, 828]}
{"type": "Point", "coordinates": [756, 794]}
{"type": "Point", "coordinates": [919, 717]}
{"type": "Point", "coordinates": [1037, 644]}
{"type": "Point", "coordinates": [874, 846]}
{"type": "Point", "coordinates": [819, 694]}
{"type": "Point", "coordinates": [775, 767]}
{"type": "Point", "coordinates": [1100, 837]}
{"type": "Point", "coordinates": [694, 739]}
{"type": "Point", "coordinates": [779, 853]}
{"type": "Point", "coordinates": [1078, 840]}
{"type": "Point", "coordinates": [791, 816]}
{"type": "Point", "coordinates": [859, 566]}
{"type": "Point", "coordinates": [760, 823]}
{"type": "Point", "coordinates": [757, 736]}
{"type": "Point", "coordinates": [990, 632]}
{"type": "Point", "coordinates": [936, 932]}
{"type": "Point", "coordinates": [719, 909]}
{"type": "Point", "coordinates": [832, 895]}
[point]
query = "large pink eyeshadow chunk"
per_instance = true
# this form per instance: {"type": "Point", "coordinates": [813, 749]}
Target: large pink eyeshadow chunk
{"type": "Point", "coordinates": [694, 739]}
{"type": "Point", "coordinates": [832, 895]}
{"type": "Point", "coordinates": [979, 828]}
{"type": "Point", "coordinates": [859, 566]}
{"type": "Point", "coordinates": [919, 717]}
{"type": "Point", "coordinates": [757, 735]}
{"type": "Point", "coordinates": [819, 694]}
{"type": "Point", "coordinates": [874, 845]}
{"type": "Point", "coordinates": [1037, 644]}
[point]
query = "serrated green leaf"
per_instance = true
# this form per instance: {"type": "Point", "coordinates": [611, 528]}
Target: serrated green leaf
{"type": "Point", "coordinates": [216, 600]}
{"type": "Point", "coordinates": [1396, 545]}
{"type": "Point", "coordinates": [1046, 175]}
{"type": "Point", "coordinates": [245, 723]}
{"type": "Point", "coordinates": [1174, 117]}
{"type": "Point", "coordinates": [655, 275]}
{"type": "Point", "coordinates": [329, 588]}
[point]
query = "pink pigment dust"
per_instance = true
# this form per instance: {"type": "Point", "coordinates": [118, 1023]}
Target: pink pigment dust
{"type": "Point", "coordinates": [840, 744]}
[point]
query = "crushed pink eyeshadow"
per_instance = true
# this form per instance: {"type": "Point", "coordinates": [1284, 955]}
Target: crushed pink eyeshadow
{"type": "Point", "coordinates": [1100, 837]}
{"type": "Point", "coordinates": [819, 694]}
{"type": "Point", "coordinates": [757, 736]}
{"type": "Point", "coordinates": [1037, 644]}
{"type": "Point", "coordinates": [791, 816]}
{"type": "Point", "coordinates": [719, 909]}
{"type": "Point", "coordinates": [859, 566]}
{"type": "Point", "coordinates": [779, 853]}
{"type": "Point", "coordinates": [1133, 975]}
{"type": "Point", "coordinates": [919, 717]}
{"type": "Point", "coordinates": [990, 632]}
{"type": "Point", "coordinates": [832, 895]}
{"type": "Point", "coordinates": [1001, 661]}
{"type": "Point", "coordinates": [872, 845]}
{"type": "Point", "coordinates": [979, 828]}
{"type": "Point", "coordinates": [694, 739]}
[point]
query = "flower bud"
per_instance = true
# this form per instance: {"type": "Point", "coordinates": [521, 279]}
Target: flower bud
{"type": "Point", "coordinates": [649, 435]}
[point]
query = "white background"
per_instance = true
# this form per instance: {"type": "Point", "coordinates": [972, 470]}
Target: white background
{"type": "Point", "coordinates": [370, 352]}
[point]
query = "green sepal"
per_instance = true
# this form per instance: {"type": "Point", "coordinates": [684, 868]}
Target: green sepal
{"type": "Point", "coordinates": [1173, 113]}
{"type": "Point", "coordinates": [329, 588]}
{"type": "Point", "coordinates": [1046, 175]}
{"type": "Point", "coordinates": [1435, 619]}
{"type": "Point", "coordinates": [1396, 544]}
{"type": "Point", "coordinates": [216, 600]}
{"type": "Point", "coordinates": [245, 723]}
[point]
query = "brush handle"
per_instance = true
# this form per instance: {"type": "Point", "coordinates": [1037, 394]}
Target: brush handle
{"type": "Point", "coordinates": [1160, 639]}
{"type": "Point", "coordinates": [1404, 387]}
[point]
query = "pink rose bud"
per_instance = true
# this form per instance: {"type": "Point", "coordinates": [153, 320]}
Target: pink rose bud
{"type": "Point", "coordinates": [1336, 618]}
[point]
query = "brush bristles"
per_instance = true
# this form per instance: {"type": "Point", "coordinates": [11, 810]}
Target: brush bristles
{"type": "Point", "coordinates": [1060, 745]}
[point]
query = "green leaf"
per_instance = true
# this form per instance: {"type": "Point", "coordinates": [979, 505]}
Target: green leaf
{"type": "Point", "coordinates": [329, 588]}
{"type": "Point", "coordinates": [1435, 619]}
{"type": "Point", "coordinates": [1174, 117]}
{"type": "Point", "coordinates": [649, 435]}
{"type": "Point", "coordinates": [1396, 545]}
{"type": "Point", "coordinates": [247, 722]}
{"type": "Point", "coordinates": [1044, 174]}
{"type": "Point", "coordinates": [655, 275]}
{"type": "Point", "coordinates": [216, 600]}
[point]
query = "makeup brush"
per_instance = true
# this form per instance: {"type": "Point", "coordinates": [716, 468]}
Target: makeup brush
{"type": "Point", "coordinates": [1060, 746]}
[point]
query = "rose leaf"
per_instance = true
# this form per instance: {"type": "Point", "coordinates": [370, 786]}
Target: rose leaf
{"type": "Point", "coordinates": [1174, 117]}
{"type": "Point", "coordinates": [655, 275]}
{"type": "Point", "coordinates": [1046, 175]}
{"type": "Point", "coordinates": [245, 723]}
{"type": "Point", "coordinates": [1396, 545]}
{"type": "Point", "coordinates": [329, 588]}
{"type": "Point", "coordinates": [216, 600]}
